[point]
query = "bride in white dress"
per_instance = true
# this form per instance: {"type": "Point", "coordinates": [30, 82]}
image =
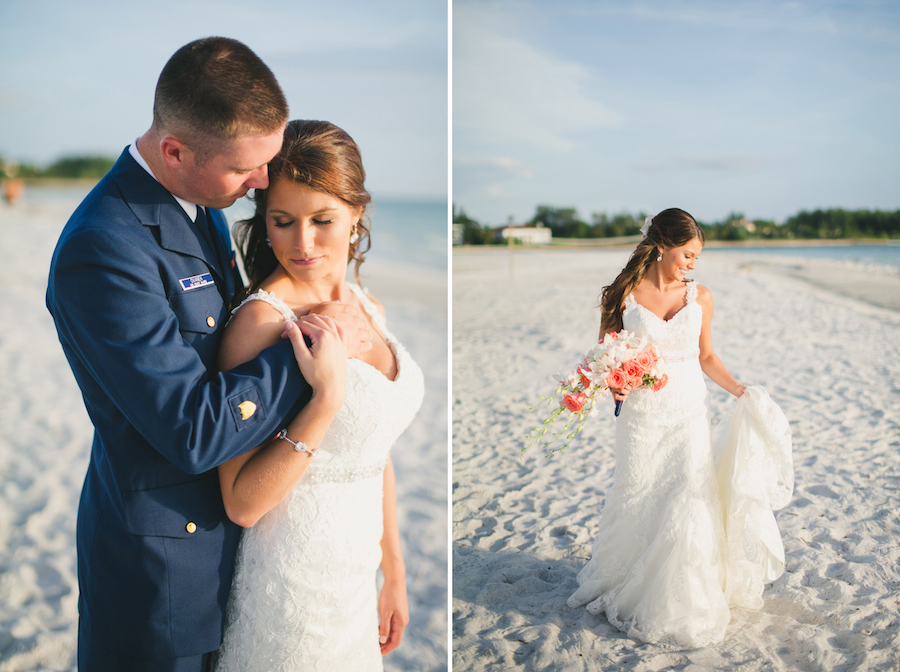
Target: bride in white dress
{"type": "Point", "coordinates": [318, 500]}
{"type": "Point", "coordinates": [663, 567]}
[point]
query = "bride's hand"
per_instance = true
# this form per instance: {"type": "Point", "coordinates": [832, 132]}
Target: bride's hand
{"type": "Point", "coordinates": [393, 610]}
{"type": "Point", "coordinates": [323, 362]}
{"type": "Point", "coordinates": [739, 390]}
{"type": "Point", "coordinates": [351, 325]}
{"type": "Point", "coordinates": [619, 395]}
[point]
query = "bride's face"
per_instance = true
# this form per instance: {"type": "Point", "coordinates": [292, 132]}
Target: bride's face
{"type": "Point", "coordinates": [679, 261]}
{"type": "Point", "coordinates": [309, 231]}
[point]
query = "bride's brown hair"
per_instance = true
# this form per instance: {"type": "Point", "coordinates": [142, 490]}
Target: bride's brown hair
{"type": "Point", "coordinates": [670, 228]}
{"type": "Point", "coordinates": [323, 157]}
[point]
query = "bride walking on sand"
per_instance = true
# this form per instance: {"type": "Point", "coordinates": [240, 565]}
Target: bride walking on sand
{"type": "Point", "coordinates": [687, 530]}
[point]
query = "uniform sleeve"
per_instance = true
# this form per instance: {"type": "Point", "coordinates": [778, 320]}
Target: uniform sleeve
{"type": "Point", "coordinates": [113, 317]}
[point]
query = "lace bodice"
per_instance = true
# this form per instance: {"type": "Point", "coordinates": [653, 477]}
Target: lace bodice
{"type": "Point", "coordinates": [303, 596]}
{"type": "Point", "coordinates": [678, 338]}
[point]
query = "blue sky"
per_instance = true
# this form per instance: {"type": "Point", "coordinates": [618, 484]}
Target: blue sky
{"type": "Point", "coordinates": [78, 77]}
{"type": "Point", "coordinates": [762, 107]}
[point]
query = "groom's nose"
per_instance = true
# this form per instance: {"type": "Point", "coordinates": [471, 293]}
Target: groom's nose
{"type": "Point", "coordinates": [259, 178]}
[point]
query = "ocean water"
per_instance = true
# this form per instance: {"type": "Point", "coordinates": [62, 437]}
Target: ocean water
{"type": "Point", "coordinates": [410, 231]}
{"type": "Point", "coordinates": [414, 232]}
{"type": "Point", "coordinates": [879, 257]}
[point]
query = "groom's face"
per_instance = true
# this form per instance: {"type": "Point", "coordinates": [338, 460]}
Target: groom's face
{"type": "Point", "coordinates": [227, 175]}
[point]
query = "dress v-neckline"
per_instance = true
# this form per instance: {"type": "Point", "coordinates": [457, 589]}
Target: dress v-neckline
{"type": "Point", "coordinates": [380, 329]}
{"type": "Point", "coordinates": [678, 312]}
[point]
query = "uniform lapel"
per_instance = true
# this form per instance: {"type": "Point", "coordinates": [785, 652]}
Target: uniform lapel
{"type": "Point", "coordinates": [154, 206]}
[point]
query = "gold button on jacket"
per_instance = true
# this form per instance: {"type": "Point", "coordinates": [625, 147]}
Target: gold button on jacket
{"type": "Point", "coordinates": [191, 527]}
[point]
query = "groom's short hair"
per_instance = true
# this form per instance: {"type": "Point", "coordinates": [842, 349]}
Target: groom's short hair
{"type": "Point", "coordinates": [216, 89]}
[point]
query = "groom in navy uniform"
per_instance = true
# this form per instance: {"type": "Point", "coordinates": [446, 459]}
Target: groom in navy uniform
{"type": "Point", "coordinates": [139, 289]}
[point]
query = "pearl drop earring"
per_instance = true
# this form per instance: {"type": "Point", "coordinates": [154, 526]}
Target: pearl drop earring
{"type": "Point", "coordinates": [354, 235]}
{"type": "Point", "coordinates": [659, 258]}
{"type": "Point", "coordinates": [268, 242]}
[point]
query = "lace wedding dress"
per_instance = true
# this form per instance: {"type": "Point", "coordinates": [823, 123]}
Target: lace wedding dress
{"type": "Point", "coordinates": [687, 528]}
{"type": "Point", "coordinates": [304, 595]}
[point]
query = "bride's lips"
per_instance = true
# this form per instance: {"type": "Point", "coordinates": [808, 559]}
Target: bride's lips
{"type": "Point", "coordinates": [305, 262]}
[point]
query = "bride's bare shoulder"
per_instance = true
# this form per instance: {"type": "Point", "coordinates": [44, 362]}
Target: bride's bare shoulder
{"type": "Point", "coordinates": [255, 326]}
{"type": "Point", "coordinates": [704, 296]}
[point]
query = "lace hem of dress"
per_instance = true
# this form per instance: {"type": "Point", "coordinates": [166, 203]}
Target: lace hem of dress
{"type": "Point", "coordinates": [326, 474]}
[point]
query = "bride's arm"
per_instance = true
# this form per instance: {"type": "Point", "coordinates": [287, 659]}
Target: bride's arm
{"type": "Point", "coordinates": [393, 607]}
{"type": "Point", "coordinates": [255, 482]}
{"type": "Point", "coordinates": [710, 363]}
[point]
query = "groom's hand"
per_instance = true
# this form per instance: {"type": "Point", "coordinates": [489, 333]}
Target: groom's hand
{"type": "Point", "coordinates": [352, 326]}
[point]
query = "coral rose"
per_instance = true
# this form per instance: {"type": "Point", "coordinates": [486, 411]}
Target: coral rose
{"type": "Point", "coordinates": [574, 402]}
{"type": "Point", "coordinates": [617, 379]}
{"type": "Point", "coordinates": [634, 371]}
{"type": "Point", "coordinates": [661, 383]}
{"type": "Point", "coordinates": [645, 360]}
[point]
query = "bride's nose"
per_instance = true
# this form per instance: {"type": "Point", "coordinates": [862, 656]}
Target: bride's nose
{"type": "Point", "coordinates": [305, 238]}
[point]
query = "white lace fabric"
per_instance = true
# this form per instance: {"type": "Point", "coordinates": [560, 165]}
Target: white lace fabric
{"type": "Point", "coordinates": [303, 595]}
{"type": "Point", "coordinates": [668, 560]}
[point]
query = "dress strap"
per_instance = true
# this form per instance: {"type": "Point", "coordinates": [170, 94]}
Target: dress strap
{"type": "Point", "coordinates": [370, 308]}
{"type": "Point", "coordinates": [275, 301]}
{"type": "Point", "coordinates": [691, 295]}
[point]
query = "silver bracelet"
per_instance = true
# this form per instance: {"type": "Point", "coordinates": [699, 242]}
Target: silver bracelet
{"type": "Point", "coordinates": [299, 446]}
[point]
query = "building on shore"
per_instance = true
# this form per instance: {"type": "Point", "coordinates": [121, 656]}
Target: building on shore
{"type": "Point", "coordinates": [525, 234]}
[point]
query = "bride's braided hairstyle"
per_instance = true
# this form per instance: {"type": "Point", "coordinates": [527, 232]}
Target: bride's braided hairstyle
{"type": "Point", "coordinates": [323, 157]}
{"type": "Point", "coordinates": [670, 228]}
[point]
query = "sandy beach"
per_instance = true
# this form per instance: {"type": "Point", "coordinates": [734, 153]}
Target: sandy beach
{"type": "Point", "coordinates": [45, 438]}
{"type": "Point", "coordinates": [829, 356]}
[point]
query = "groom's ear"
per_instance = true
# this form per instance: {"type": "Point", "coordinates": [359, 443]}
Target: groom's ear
{"type": "Point", "coordinates": [174, 152]}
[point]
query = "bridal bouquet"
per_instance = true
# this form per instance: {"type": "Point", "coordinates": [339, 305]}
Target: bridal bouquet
{"type": "Point", "coordinates": [621, 361]}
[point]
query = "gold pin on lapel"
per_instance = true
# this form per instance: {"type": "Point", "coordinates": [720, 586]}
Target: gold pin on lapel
{"type": "Point", "coordinates": [211, 321]}
{"type": "Point", "coordinates": [247, 408]}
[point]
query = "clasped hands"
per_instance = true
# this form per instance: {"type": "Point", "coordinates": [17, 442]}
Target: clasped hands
{"type": "Point", "coordinates": [347, 320]}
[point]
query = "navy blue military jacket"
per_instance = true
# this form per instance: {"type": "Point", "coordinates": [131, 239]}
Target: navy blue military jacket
{"type": "Point", "coordinates": [139, 295]}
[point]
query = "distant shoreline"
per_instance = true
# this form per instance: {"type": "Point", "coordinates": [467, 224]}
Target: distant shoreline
{"type": "Point", "coordinates": [860, 284]}
{"type": "Point", "coordinates": [628, 241]}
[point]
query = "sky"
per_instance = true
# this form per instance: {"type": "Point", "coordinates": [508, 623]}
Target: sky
{"type": "Point", "coordinates": [78, 78]}
{"type": "Point", "coordinates": [759, 107]}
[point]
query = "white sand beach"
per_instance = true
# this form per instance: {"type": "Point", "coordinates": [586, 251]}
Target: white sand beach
{"type": "Point", "coordinates": [522, 530]}
{"type": "Point", "coordinates": [45, 438]}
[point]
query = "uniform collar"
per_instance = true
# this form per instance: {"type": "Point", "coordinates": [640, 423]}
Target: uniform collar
{"type": "Point", "coordinates": [190, 209]}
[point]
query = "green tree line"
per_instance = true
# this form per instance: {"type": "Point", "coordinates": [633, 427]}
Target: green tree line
{"type": "Point", "coordinates": [817, 224]}
{"type": "Point", "coordinates": [68, 167]}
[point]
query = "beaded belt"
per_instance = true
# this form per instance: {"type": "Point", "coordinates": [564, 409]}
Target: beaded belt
{"type": "Point", "coordinates": [327, 474]}
{"type": "Point", "coordinates": [682, 357]}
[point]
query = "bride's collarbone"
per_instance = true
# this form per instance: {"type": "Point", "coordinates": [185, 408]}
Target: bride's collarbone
{"type": "Point", "coordinates": [665, 305]}
{"type": "Point", "coordinates": [380, 356]}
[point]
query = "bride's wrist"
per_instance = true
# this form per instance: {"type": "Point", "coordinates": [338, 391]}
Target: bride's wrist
{"type": "Point", "coordinates": [393, 573]}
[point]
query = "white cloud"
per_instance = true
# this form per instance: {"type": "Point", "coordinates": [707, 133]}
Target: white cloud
{"type": "Point", "coordinates": [723, 164]}
{"type": "Point", "coordinates": [509, 91]}
{"type": "Point", "coordinates": [497, 164]}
